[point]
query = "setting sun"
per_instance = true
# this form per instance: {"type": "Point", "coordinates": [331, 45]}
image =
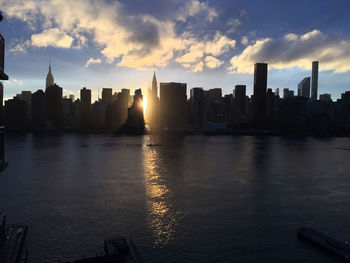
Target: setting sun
{"type": "Point", "coordinates": [144, 104]}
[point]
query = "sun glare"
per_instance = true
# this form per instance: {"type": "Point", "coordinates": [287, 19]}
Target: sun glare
{"type": "Point", "coordinates": [144, 104]}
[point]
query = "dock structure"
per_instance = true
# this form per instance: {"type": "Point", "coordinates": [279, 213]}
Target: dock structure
{"type": "Point", "coordinates": [11, 240]}
{"type": "Point", "coordinates": [117, 250]}
{"type": "Point", "coordinates": [338, 248]}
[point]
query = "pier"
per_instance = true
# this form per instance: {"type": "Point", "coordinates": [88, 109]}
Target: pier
{"type": "Point", "coordinates": [11, 240]}
{"type": "Point", "coordinates": [338, 248]}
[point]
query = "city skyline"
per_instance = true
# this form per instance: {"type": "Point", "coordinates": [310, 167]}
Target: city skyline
{"type": "Point", "coordinates": [224, 40]}
{"type": "Point", "coordinates": [205, 111]}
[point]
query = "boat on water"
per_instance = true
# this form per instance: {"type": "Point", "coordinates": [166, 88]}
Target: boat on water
{"type": "Point", "coordinates": [341, 249]}
{"type": "Point", "coordinates": [152, 144]}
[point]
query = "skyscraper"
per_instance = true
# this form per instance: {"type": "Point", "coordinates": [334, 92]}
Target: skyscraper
{"type": "Point", "coordinates": [240, 91]}
{"type": "Point", "coordinates": [197, 109]}
{"type": "Point", "coordinates": [54, 108]}
{"type": "Point", "coordinates": [106, 96]}
{"type": "Point", "coordinates": [304, 88]}
{"type": "Point", "coordinates": [288, 94]}
{"type": "Point", "coordinates": [314, 89]}
{"type": "Point", "coordinates": [85, 98]}
{"type": "Point", "coordinates": [172, 105]}
{"type": "Point", "coordinates": [49, 78]}
{"type": "Point", "coordinates": [259, 97]}
{"type": "Point", "coordinates": [135, 121]}
{"type": "Point", "coordinates": [38, 110]}
{"type": "Point", "coordinates": [152, 110]}
{"type": "Point", "coordinates": [1, 105]}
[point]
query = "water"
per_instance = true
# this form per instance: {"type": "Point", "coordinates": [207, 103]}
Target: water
{"type": "Point", "coordinates": [190, 199]}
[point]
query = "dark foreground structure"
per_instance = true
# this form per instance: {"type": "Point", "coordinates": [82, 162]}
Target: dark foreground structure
{"type": "Point", "coordinates": [338, 248]}
{"type": "Point", "coordinates": [117, 250]}
{"type": "Point", "coordinates": [11, 240]}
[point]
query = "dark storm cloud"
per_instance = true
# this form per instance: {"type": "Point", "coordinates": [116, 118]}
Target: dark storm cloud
{"type": "Point", "coordinates": [144, 32]}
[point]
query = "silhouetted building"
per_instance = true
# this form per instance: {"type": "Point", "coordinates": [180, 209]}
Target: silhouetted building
{"type": "Point", "coordinates": [85, 112]}
{"type": "Point", "coordinates": [152, 110]}
{"type": "Point", "coordinates": [326, 97]}
{"type": "Point", "coordinates": [98, 115]}
{"type": "Point", "coordinates": [173, 106]}
{"type": "Point", "coordinates": [197, 108]}
{"type": "Point", "coordinates": [1, 104]}
{"type": "Point", "coordinates": [27, 97]}
{"type": "Point", "coordinates": [77, 113]}
{"type": "Point", "coordinates": [270, 108]}
{"type": "Point", "coordinates": [314, 89]}
{"type": "Point", "coordinates": [345, 97]}
{"type": "Point", "coordinates": [68, 112]}
{"type": "Point", "coordinates": [16, 115]}
{"type": "Point", "coordinates": [107, 96]}
{"type": "Point", "coordinates": [259, 97]}
{"type": "Point", "coordinates": [240, 102]}
{"type": "Point", "coordinates": [54, 104]}
{"type": "Point", "coordinates": [287, 94]}
{"type": "Point", "coordinates": [3, 76]}
{"type": "Point", "coordinates": [67, 104]}
{"type": "Point", "coordinates": [304, 88]}
{"type": "Point", "coordinates": [213, 105]}
{"type": "Point", "coordinates": [135, 122]}
{"type": "Point", "coordinates": [277, 92]}
{"type": "Point", "coordinates": [49, 78]}
{"type": "Point", "coordinates": [38, 110]}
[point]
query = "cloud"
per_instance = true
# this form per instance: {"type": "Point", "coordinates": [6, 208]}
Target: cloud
{"type": "Point", "coordinates": [293, 50]}
{"type": "Point", "coordinates": [194, 7]}
{"type": "Point", "coordinates": [52, 37]}
{"type": "Point", "coordinates": [19, 46]}
{"type": "Point", "coordinates": [92, 61]}
{"type": "Point", "coordinates": [219, 45]}
{"type": "Point", "coordinates": [244, 41]}
{"type": "Point", "coordinates": [233, 24]}
{"type": "Point", "coordinates": [130, 40]}
{"type": "Point", "coordinates": [212, 62]}
{"type": "Point", "coordinates": [198, 67]}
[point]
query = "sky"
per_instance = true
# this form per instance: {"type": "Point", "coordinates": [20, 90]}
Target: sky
{"type": "Point", "coordinates": [211, 44]}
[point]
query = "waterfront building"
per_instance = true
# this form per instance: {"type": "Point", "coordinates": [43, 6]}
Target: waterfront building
{"type": "Point", "coordinates": [107, 96]}
{"type": "Point", "coordinates": [259, 97]}
{"type": "Point", "coordinates": [326, 97]}
{"type": "Point", "coordinates": [173, 106]}
{"type": "Point", "coordinates": [314, 89]}
{"type": "Point", "coordinates": [287, 93]}
{"type": "Point", "coordinates": [54, 104]}
{"type": "Point", "coordinates": [85, 112]}
{"type": "Point", "coordinates": [304, 88]}
{"type": "Point", "coordinates": [197, 109]}
{"type": "Point", "coordinates": [38, 110]}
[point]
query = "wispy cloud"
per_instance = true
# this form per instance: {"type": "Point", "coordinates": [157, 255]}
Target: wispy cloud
{"type": "Point", "coordinates": [92, 61]}
{"type": "Point", "coordinates": [19, 46]}
{"type": "Point", "coordinates": [195, 7]}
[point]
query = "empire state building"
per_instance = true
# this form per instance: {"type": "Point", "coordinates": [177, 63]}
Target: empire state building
{"type": "Point", "coordinates": [49, 78]}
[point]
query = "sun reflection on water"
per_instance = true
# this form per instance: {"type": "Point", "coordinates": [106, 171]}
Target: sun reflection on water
{"type": "Point", "coordinates": [162, 214]}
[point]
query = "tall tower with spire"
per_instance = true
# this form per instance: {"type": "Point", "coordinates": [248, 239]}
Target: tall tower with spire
{"type": "Point", "coordinates": [154, 85]}
{"type": "Point", "coordinates": [49, 77]}
{"type": "Point", "coordinates": [152, 114]}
